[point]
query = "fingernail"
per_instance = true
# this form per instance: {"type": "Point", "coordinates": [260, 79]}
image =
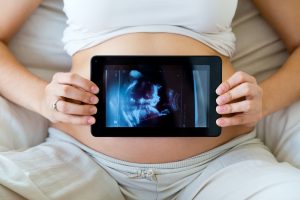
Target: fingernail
{"type": "Point", "coordinates": [93, 110]}
{"type": "Point", "coordinates": [221, 109]}
{"type": "Point", "coordinates": [220, 122]}
{"type": "Point", "coordinates": [94, 100]}
{"type": "Point", "coordinates": [91, 120]}
{"type": "Point", "coordinates": [94, 89]}
{"type": "Point", "coordinates": [220, 100]}
{"type": "Point", "coordinates": [219, 90]}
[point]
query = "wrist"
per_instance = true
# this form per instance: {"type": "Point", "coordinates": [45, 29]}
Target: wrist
{"type": "Point", "coordinates": [265, 109]}
{"type": "Point", "coordinates": [40, 106]}
{"type": "Point", "coordinates": [265, 104]}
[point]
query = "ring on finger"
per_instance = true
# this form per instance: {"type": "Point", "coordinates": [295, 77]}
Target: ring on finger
{"type": "Point", "coordinates": [54, 105]}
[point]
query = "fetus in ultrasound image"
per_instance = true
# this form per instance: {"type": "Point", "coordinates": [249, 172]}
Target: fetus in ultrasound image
{"type": "Point", "coordinates": [137, 98]}
{"type": "Point", "coordinates": [141, 101]}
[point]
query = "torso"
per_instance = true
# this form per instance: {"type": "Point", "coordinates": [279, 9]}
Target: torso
{"type": "Point", "coordinates": [148, 150]}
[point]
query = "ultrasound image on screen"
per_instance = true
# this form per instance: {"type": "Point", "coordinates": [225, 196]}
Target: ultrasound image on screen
{"type": "Point", "coordinates": [156, 97]}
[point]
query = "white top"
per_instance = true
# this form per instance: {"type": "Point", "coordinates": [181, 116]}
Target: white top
{"type": "Point", "coordinates": [91, 22]}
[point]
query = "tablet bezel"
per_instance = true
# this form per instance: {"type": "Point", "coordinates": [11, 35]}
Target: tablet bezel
{"type": "Point", "coordinates": [99, 129]}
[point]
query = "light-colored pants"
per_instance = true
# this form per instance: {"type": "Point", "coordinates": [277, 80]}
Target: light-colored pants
{"type": "Point", "coordinates": [62, 168]}
{"type": "Point", "coordinates": [281, 133]}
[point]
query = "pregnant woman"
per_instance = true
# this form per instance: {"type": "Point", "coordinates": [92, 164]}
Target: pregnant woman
{"type": "Point", "coordinates": [72, 164]}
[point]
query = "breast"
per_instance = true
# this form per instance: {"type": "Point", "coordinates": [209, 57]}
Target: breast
{"type": "Point", "coordinates": [207, 16]}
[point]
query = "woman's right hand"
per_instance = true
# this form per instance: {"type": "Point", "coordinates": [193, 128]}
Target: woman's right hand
{"type": "Point", "coordinates": [70, 98]}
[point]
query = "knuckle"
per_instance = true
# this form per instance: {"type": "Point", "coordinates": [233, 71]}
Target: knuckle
{"type": "Point", "coordinates": [229, 96]}
{"type": "Point", "coordinates": [240, 73]}
{"type": "Point", "coordinates": [257, 91]}
{"type": "Point", "coordinates": [240, 76]}
{"type": "Point", "coordinates": [72, 77]}
{"type": "Point", "coordinates": [91, 110]}
{"type": "Point", "coordinates": [226, 85]}
{"type": "Point", "coordinates": [87, 97]}
{"type": "Point", "coordinates": [247, 88]}
{"type": "Point", "coordinates": [51, 90]}
{"type": "Point", "coordinates": [248, 106]}
{"type": "Point", "coordinates": [82, 110]}
{"type": "Point", "coordinates": [66, 89]}
{"type": "Point", "coordinates": [56, 76]}
{"type": "Point", "coordinates": [230, 108]}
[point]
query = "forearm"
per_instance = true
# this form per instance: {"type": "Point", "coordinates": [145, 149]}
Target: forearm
{"type": "Point", "coordinates": [17, 84]}
{"type": "Point", "coordinates": [283, 88]}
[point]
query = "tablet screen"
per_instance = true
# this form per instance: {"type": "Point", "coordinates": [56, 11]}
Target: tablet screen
{"type": "Point", "coordinates": [144, 95]}
{"type": "Point", "coordinates": [156, 96]}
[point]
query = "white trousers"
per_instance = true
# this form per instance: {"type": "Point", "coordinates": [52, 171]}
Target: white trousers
{"type": "Point", "coordinates": [61, 168]}
{"type": "Point", "coordinates": [281, 133]}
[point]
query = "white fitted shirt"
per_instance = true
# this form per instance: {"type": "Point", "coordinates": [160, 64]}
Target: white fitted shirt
{"type": "Point", "coordinates": [91, 22]}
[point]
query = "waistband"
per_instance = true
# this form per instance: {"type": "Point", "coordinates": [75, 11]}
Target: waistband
{"type": "Point", "coordinates": [195, 160]}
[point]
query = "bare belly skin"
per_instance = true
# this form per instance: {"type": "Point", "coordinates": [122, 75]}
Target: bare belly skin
{"type": "Point", "coordinates": [148, 150]}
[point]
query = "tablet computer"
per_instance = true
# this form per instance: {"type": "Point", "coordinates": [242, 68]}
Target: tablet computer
{"type": "Point", "coordinates": [156, 96]}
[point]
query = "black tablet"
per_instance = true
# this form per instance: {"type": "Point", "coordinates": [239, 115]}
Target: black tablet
{"type": "Point", "coordinates": [156, 96]}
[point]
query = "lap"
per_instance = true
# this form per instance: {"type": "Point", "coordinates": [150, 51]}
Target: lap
{"type": "Point", "coordinates": [280, 131]}
{"type": "Point", "coordinates": [247, 171]}
{"type": "Point", "coordinates": [252, 179]}
{"type": "Point", "coordinates": [54, 170]}
{"type": "Point", "coordinates": [61, 170]}
{"type": "Point", "coordinates": [20, 128]}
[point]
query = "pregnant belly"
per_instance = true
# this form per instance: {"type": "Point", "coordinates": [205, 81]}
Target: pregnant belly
{"type": "Point", "coordinates": [139, 149]}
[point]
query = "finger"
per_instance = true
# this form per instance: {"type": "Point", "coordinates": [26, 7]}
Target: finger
{"type": "Point", "coordinates": [75, 109]}
{"type": "Point", "coordinates": [243, 106]}
{"type": "Point", "coordinates": [243, 90]}
{"type": "Point", "coordinates": [73, 93]}
{"type": "Point", "coordinates": [74, 119]}
{"type": "Point", "coordinates": [76, 80]}
{"type": "Point", "coordinates": [240, 119]}
{"type": "Point", "coordinates": [236, 79]}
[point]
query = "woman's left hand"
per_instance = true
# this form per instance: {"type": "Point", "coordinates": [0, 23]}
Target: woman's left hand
{"type": "Point", "coordinates": [239, 101]}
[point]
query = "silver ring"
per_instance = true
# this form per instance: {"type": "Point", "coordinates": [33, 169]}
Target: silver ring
{"type": "Point", "coordinates": [54, 105]}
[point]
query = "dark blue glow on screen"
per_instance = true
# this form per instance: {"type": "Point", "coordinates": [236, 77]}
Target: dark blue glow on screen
{"type": "Point", "coordinates": [148, 98]}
